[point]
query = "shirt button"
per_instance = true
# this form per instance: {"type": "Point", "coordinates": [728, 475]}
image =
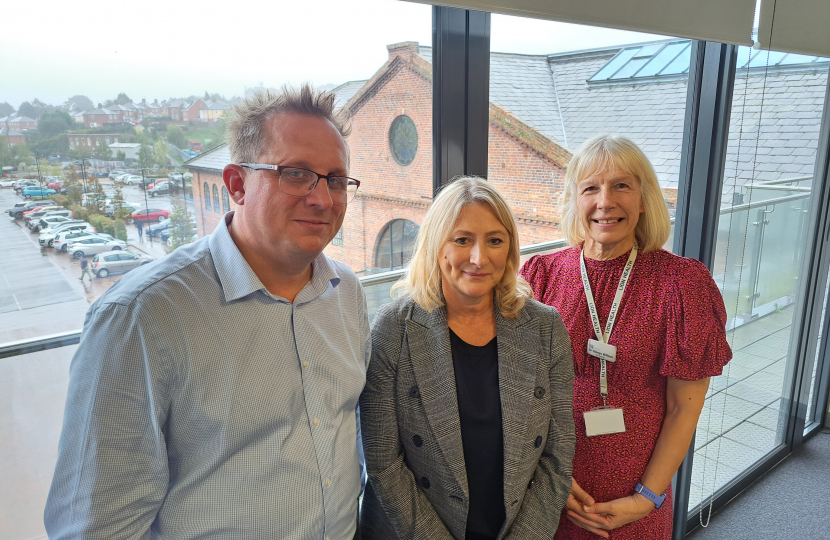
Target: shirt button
{"type": "Point", "coordinates": [305, 363]}
{"type": "Point", "coordinates": [328, 482]}
{"type": "Point", "coordinates": [316, 421]}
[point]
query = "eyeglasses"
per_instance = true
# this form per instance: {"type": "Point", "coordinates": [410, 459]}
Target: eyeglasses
{"type": "Point", "coordinates": [301, 182]}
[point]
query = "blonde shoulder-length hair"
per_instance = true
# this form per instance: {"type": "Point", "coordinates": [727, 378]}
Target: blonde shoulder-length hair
{"type": "Point", "coordinates": [423, 276]}
{"type": "Point", "coordinates": [609, 152]}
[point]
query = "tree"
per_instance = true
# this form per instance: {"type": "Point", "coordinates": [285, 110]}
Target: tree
{"type": "Point", "coordinates": [54, 123]}
{"type": "Point", "coordinates": [78, 103]}
{"type": "Point", "coordinates": [27, 109]}
{"type": "Point", "coordinates": [6, 109]}
{"type": "Point", "coordinates": [74, 190]}
{"type": "Point", "coordinates": [123, 98]}
{"type": "Point", "coordinates": [21, 152]}
{"type": "Point", "coordinates": [161, 150]}
{"type": "Point", "coordinates": [120, 212]}
{"type": "Point", "coordinates": [120, 155]}
{"type": "Point", "coordinates": [104, 152]}
{"type": "Point", "coordinates": [47, 146]}
{"type": "Point", "coordinates": [146, 156]}
{"type": "Point", "coordinates": [175, 136]}
{"type": "Point", "coordinates": [6, 158]}
{"type": "Point", "coordinates": [96, 199]}
{"type": "Point", "coordinates": [181, 225]}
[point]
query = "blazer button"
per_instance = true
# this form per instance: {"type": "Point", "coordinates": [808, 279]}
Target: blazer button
{"type": "Point", "coordinates": [539, 392]}
{"type": "Point", "coordinates": [425, 482]}
{"type": "Point", "coordinates": [530, 484]}
{"type": "Point", "coordinates": [538, 442]}
{"type": "Point", "coordinates": [414, 393]}
{"type": "Point", "coordinates": [417, 440]}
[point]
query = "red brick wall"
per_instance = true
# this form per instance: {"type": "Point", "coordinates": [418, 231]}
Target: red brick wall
{"type": "Point", "coordinates": [529, 181]}
{"type": "Point", "coordinates": [207, 219]}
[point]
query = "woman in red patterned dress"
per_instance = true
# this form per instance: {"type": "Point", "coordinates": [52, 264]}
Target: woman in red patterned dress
{"type": "Point", "coordinates": [667, 337]}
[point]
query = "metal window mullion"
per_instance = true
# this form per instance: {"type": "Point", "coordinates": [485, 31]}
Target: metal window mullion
{"type": "Point", "coordinates": [700, 187]}
{"type": "Point", "coordinates": [810, 301]}
{"type": "Point", "coordinates": [460, 96]}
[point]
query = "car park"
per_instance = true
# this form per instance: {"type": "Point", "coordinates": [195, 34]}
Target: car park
{"type": "Point", "coordinates": [7, 182]}
{"type": "Point", "coordinates": [109, 210]}
{"type": "Point", "coordinates": [113, 175]}
{"type": "Point", "coordinates": [64, 239]}
{"type": "Point", "coordinates": [94, 245]}
{"type": "Point", "coordinates": [151, 214]}
{"type": "Point", "coordinates": [33, 191]}
{"type": "Point", "coordinates": [131, 179]}
{"type": "Point", "coordinates": [116, 262]}
{"type": "Point", "coordinates": [47, 236]}
{"type": "Point", "coordinates": [49, 221]}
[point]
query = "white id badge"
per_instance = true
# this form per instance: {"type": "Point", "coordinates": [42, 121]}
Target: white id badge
{"type": "Point", "coordinates": [604, 421]}
{"type": "Point", "coordinates": [602, 350]}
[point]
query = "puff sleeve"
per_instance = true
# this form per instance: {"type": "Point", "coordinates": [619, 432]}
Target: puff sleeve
{"type": "Point", "coordinates": [695, 346]}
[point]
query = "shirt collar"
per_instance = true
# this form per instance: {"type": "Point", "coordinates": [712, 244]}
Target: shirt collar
{"type": "Point", "coordinates": [238, 279]}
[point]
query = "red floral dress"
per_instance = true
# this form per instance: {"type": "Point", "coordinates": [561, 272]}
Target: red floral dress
{"type": "Point", "coordinates": [671, 324]}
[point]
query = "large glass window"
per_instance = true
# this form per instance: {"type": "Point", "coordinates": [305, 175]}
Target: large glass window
{"type": "Point", "coordinates": [554, 85]}
{"type": "Point", "coordinates": [761, 246]}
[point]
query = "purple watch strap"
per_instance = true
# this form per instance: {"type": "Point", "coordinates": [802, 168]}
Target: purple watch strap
{"type": "Point", "coordinates": [650, 495]}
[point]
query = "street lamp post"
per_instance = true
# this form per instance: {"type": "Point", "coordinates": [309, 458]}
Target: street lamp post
{"type": "Point", "coordinates": [39, 177]}
{"type": "Point", "coordinates": [146, 206]}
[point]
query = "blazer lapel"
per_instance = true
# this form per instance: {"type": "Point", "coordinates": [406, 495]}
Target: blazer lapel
{"type": "Point", "coordinates": [518, 344]}
{"type": "Point", "coordinates": [429, 348]}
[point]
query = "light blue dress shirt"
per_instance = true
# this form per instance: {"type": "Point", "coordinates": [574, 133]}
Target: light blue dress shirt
{"type": "Point", "coordinates": [202, 406]}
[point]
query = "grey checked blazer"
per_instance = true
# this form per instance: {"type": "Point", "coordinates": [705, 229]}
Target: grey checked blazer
{"type": "Point", "coordinates": [412, 433]}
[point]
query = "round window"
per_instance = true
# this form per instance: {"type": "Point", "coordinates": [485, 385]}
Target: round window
{"type": "Point", "coordinates": [403, 139]}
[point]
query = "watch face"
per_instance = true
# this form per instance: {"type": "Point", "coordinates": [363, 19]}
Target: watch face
{"type": "Point", "coordinates": [403, 139]}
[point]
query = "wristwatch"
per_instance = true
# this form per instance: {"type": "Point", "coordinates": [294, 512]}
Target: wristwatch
{"type": "Point", "coordinates": [650, 495]}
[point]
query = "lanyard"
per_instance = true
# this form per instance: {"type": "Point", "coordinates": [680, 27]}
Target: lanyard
{"type": "Point", "coordinates": [612, 315]}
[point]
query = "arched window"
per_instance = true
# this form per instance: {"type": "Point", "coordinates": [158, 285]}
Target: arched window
{"type": "Point", "coordinates": [226, 200]}
{"type": "Point", "coordinates": [395, 244]}
{"type": "Point", "coordinates": [216, 199]}
{"type": "Point", "coordinates": [207, 196]}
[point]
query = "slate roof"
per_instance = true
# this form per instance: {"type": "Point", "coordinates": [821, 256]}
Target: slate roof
{"type": "Point", "coordinates": [538, 89]}
{"type": "Point", "coordinates": [11, 133]}
{"type": "Point", "coordinates": [212, 160]}
{"type": "Point", "coordinates": [345, 91]}
{"type": "Point", "coordinates": [218, 106]}
{"type": "Point", "coordinates": [18, 119]}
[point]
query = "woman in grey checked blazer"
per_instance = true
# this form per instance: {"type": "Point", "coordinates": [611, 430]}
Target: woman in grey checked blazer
{"type": "Point", "coordinates": [467, 412]}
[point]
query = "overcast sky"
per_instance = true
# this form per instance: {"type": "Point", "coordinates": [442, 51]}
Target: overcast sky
{"type": "Point", "coordinates": [53, 49]}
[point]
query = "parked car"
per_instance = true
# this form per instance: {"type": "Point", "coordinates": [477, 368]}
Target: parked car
{"type": "Point", "coordinates": [94, 245]}
{"type": "Point", "coordinates": [157, 228]}
{"type": "Point", "coordinates": [163, 187]}
{"type": "Point", "coordinates": [50, 220]}
{"type": "Point", "coordinates": [166, 237]}
{"type": "Point", "coordinates": [38, 213]}
{"type": "Point", "coordinates": [22, 207]}
{"type": "Point", "coordinates": [47, 236]}
{"type": "Point", "coordinates": [114, 262]}
{"type": "Point", "coordinates": [113, 175]}
{"type": "Point", "coordinates": [109, 210]}
{"type": "Point", "coordinates": [7, 182]}
{"type": "Point", "coordinates": [151, 214]}
{"type": "Point", "coordinates": [20, 185]}
{"type": "Point", "coordinates": [66, 238]}
{"type": "Point", "coordinates": [33, 191]}
{"type": "Point", "coordinates": [131, 179]}
{"type": "Point", "coordinates": [57, 185]}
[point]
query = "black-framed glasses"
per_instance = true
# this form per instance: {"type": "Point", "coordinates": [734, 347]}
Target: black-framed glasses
{"type": "Point", "coordinates": [300, 182]}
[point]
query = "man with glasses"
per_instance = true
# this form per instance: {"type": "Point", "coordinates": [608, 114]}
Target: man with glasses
{"type": "Point", "coordinates": [214, 392]}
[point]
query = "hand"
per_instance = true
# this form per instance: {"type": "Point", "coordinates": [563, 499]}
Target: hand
{"type": "Point", "coordinates": [578, 501]}
{"type": "Point", "coordinates": [601, 517]}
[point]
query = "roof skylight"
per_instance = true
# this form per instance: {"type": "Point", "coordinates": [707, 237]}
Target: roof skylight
{"type": "Point", "coordinates": [672, 58]}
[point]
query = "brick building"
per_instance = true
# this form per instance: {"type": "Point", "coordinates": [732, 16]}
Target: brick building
{"type": "Point", "coordinates": [542, 107]}
{"type": "Point", "coordinates": [91, 141]}
{"type": "Point", "coordinates": [100, 116]}
{"type": "Point", "coordinates": [18, 123]}
{"type": "Point", "coordinates": [391, 154]}
{"type": "Point", "coordinates": [10, 136]}
{"type": "Point", "coordinates": [191, 112]}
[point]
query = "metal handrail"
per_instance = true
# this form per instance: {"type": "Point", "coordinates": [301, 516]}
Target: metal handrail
{"type": "Point", "coordinates": [40, 343]}
{"type": "Point", "coordinates": [762, 204]}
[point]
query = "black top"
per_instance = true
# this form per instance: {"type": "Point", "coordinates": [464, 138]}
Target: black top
{"type": "Point", "coordinates": [479, 409]}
